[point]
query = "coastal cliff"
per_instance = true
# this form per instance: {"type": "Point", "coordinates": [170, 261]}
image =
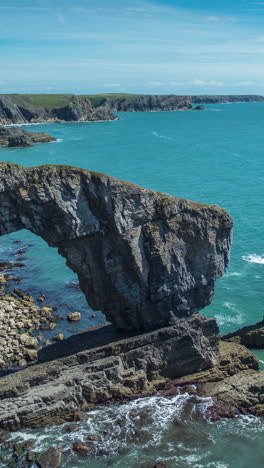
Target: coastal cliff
{"type": "Point", "coordinates": [149, 262]}
{"type": "Point", "coordinates": [142, 257]}
{"type": "Point", "coordinates": [36, 108]}
{"type": "Point", "coordinates": [147, 103]}
{"type": "Point", "coordinates": [16, 110]}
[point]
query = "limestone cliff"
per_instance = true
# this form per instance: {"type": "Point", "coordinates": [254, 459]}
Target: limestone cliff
{"type": "Point", "coordinates": [77, 109]}
{"type": "Point", "coordinates": [144, 258]}
{"type": "Point", "coordinates": [223, 99]}
{"type": "Point", "coordinates": [147, 103]}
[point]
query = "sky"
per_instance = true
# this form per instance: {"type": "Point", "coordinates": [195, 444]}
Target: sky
{"type": "Point", "coordinates": [146, 46]}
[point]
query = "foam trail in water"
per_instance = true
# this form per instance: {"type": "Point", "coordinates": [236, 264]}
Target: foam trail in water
{"type": "Point", "coordinates": [254, 258]}
{"type": "Point", "coordinates": [163, 137]}
{"type": "Point", "coordinates": [59, 140]}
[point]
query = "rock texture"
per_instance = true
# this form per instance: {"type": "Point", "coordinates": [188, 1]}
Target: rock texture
{"type": "Point", "coordinates": [251, 336]}
{"type": "Point", "coordinates": [12, 136]}
{"type": "Point", "coordinates": [233, 383]}
{"type": "Point", "coordinates": [144, 258]}
{"type": "Point", "coordinates": [147, 103]}
{"type": "Point", "coordinates": [78, 109]}
{"type": "Point", "coordinates": [223, 99]}
{"type": "Point", "coordinates": [121, 367]}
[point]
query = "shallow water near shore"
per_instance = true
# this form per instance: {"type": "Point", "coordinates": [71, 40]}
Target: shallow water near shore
{"type": "Point", "coordinates": [214, 156]}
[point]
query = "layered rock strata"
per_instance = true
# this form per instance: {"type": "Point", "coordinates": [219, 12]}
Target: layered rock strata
{"type": "Point", "coordinates": [113, 367]}
{"type": "Point", "coordinates": [148, 103]}
{"type": "Point", "coordinates": [144, 258]}
{"type": "Point", "coordinates": [14, 137]}
{"type": "Point", "coordinates": [233, 383]}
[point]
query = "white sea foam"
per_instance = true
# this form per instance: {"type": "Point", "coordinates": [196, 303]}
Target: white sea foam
{"type": "Point", "coordinates": [254, 258]}
{"type": "Point", "coordinates": [26, 124]}
{"type": "Point", "coordinates": [237, 317]}
{"type": "Point", "coordinates": [59, 140]}
{"type": "Point", "coordinates": [163, 137]}
{"type": "Point", "coordinates": [234, 273]}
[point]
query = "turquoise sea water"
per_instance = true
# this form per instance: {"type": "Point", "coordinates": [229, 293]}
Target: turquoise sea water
{"type": "Point", "coordinates": [215, 156]}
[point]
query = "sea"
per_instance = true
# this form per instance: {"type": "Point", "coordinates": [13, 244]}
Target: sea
{"type": "Point", "coordinates": [214, 156]}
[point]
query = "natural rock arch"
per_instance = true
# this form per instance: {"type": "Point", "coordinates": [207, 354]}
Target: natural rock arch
{"type": "Point", "coordinates": [142, 257]}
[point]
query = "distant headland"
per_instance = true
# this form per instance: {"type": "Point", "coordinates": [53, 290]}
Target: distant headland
{"type": "Point", "coordinates": [37, 108]}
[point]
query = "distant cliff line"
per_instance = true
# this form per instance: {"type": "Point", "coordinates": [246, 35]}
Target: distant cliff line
{"type": "Point", "coordinates": [36, 108]}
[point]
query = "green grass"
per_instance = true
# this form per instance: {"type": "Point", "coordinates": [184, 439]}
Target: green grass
{"type": "Point", "coordinates": [99, 99]}
{"type": "Point", "coordinates": [40, 100]}
{"type": "Point", "coordinates": [61, 100]}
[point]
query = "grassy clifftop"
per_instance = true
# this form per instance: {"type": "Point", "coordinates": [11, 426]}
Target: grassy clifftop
{"type": "Point", "coordinates": [31, 101]}
{"type": "Point", "coordinates": [61, 100]}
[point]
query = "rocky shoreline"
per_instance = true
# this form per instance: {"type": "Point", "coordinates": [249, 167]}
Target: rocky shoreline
{"type": "Point", "coordinates": [149, 261]}
{"type": "Point", "coordinates": [18, 137]}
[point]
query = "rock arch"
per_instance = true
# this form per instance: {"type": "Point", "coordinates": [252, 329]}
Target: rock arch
{"type": "Point", "coordinates": [142, 257]}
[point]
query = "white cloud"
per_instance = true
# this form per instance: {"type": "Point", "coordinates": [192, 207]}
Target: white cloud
{"type": "Point", "coordinates": [245, 83]}
{"type": "Point", "coordinates": [207, 83]}
{"type": "Point", "coordinates": [222, 19]}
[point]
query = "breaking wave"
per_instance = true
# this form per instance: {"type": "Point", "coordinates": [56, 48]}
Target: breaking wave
{"type": "Point", "coordinates": [254, 258]}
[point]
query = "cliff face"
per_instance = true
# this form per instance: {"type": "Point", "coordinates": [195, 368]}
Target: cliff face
{"type": "Point", "coordinates": [146, 103]}
{"type": "Point", "coordinates": [19, 137]}
{"type": "Point", "coordinates": [223, 99]}
{"type": "Point", "coordinates": [144, 258]}
{"type": "Point", "coordinates": [78, 109]}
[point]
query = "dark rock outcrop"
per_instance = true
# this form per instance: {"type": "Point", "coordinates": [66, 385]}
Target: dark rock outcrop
{"type": "Point", "coordinates": [13, 137]}
{"type": "Point", "coordinates": [251, 336]}
{"type": "Point", "coordinates": [144, 258]}
{"type": "Point", "coordinates": [112, 367]}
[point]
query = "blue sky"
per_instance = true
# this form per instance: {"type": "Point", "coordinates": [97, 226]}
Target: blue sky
{"type": "Point", "coordinates": [148, 46]}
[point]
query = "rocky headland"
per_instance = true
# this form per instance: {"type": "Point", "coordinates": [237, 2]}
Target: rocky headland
{"type": "Point", "coordinates": [225, 98]}
{"type": "Point", "coordinates": [16, 110]}
{"type": "Point", "coordinates": [23, 108]}
{"type": "Point", "coordinates": [149, 261]}
{"type": "Point", "coordinates": [18, 137]}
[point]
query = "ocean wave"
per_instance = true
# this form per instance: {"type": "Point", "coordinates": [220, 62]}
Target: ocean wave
{"type": "Point", "coordinates": [253, 258]}
{"type": "Point", "coordinates": [26, 124]}
{"type": "Point", "coordinates": [58, 140]}
{"type": "Point", "coordinates": [237, 317]}
{"type": "Point", "coordinates": [235, 273]}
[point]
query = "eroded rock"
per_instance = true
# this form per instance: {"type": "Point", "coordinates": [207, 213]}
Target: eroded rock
{"type": "Point", "coordinates": [144, 258]}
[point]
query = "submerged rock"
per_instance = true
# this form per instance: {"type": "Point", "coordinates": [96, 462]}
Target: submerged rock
{"type": "Point", "coordinates": [142, 257]}
{"type": "Point", "coordinates": [82, 448]}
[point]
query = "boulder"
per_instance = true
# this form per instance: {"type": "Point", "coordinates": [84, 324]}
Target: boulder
{"type": "Point", "coordinates": [50, 458]}
{"type": "Point", "coordinates": [82, 448]}
{"type": "Point", "coordinates": [74, 316]}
